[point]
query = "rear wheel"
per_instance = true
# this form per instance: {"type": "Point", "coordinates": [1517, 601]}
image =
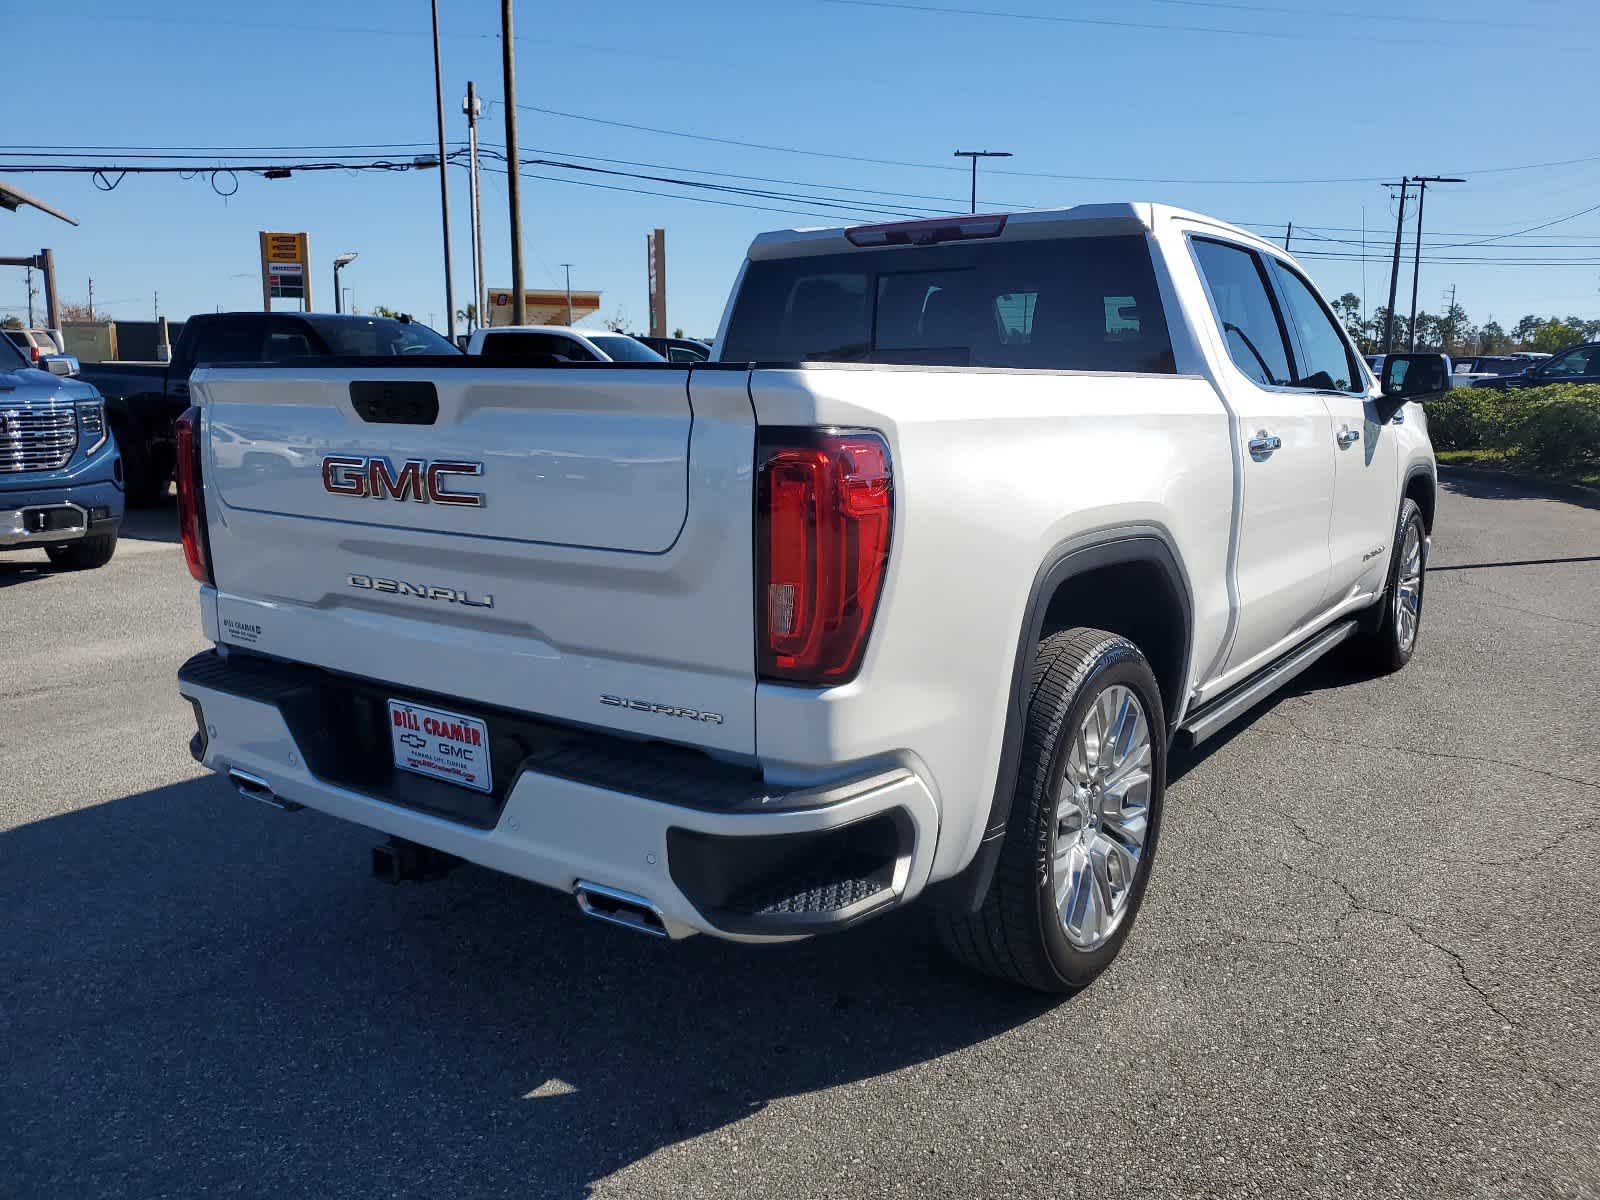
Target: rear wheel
{"type": "Point", "coordinates": [1084, 820]}
{"type": "Point", "coordinates": [84, 554]}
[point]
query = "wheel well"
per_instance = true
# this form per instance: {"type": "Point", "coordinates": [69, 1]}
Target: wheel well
{"type": "Point", "coordinates": [1420, 488]}
{"type": "Point", "coordinates": [1138, 601]}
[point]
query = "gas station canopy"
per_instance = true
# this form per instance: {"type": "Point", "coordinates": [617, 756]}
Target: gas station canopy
{"type": "Point", "coordinates": [544, 308]}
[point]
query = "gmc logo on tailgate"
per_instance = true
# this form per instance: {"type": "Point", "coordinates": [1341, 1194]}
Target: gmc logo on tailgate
{"type": "Point", "coordinates": [416, 479]}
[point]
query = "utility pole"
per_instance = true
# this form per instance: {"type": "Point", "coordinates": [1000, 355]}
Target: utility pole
{"type": "Point", "coordinates": [32, 291]}
{"type": "Point", "coordinates": [472, 107]}
{"type": "Point", "coordinates": [155, 306]}
{"type": "Point", "coordinates": [52, 294]}
{"type": "Point", "coordinates": [568, 267]}
{"type": "Point", "coordinates": [508, 51]}
{"type": "Point", "coordinates": [444, 181]}
{"type": "Point", "coordinates": [1422, 182]}
{"type": "Point", "coordinates": [91, 297]}
{"type": "Point", "coordinates": [975, 155]}
{"type": "Point", "coordinates": [1394, 271]}
{"type": "Point", "coordinates": [1287, 234]}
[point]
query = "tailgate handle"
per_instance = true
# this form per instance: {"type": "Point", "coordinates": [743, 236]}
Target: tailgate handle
{"type": "Point", "coordinates": [395, 401]}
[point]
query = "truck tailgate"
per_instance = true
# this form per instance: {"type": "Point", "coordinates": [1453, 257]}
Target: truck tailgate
{"type": "Point", "coordinates": [586, 538]}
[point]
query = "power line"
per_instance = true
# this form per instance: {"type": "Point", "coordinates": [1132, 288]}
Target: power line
{"type": "Point", "coordinates": [1583, 212]}
{"type": "Point", "coordinates": [125, 151]}
{"type": "Point", "coordinates": [691, 135]}
{"type": "Point", "coordinates": [612, 187]}
{"type": "Point", "coordinates": [1098, 22]}
{"type": "Point", "coordinates": [1324, 13]}
{"type": "Point", "coordinates": [722, 141]}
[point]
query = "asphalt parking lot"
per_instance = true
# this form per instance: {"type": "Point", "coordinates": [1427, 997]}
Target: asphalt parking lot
{"type": "Point", "coordinates": [1369, 964]}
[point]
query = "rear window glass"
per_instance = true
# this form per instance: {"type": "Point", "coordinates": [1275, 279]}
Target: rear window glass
{"type": "Point", "coordinates": [379, 336]}
{"type": "Point", "coordinates": [518, 343]}
{"type": "Point", "coordinates": [619, 347]}
{"type": "Point", "coordinates": [1076, 304]}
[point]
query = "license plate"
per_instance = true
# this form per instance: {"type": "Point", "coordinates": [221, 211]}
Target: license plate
{"type": "Point", "coordinates": [441, 745]}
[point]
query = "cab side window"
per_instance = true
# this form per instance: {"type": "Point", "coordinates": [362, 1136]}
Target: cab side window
{"type": "Point", "coordinates": [1246, 311]}
{"type": "Point", "coordinates": [1324, 361]}
{"type": "Point", "coordinates": [1582, 361]}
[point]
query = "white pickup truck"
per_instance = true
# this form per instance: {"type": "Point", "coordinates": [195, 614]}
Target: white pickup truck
{"type": "Point", "coordinates": [907, 594]}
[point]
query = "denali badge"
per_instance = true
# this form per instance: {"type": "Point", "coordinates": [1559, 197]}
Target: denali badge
{"type": "Point", "coordinates": [662, 710]}
{"type": "Point", "coordinates": [417, 479]}
{"type": "Point", "coordinates": [399, 587]}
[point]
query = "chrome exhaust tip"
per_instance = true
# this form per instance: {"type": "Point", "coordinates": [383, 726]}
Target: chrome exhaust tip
{"type": "Point", "coordinates": [620, 908]}
{"type": "Point", "coordinates": [253, 787]}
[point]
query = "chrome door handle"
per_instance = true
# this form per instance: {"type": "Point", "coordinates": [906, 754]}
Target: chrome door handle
{"type": "Point", "coordinates": [1263, 444]}
{"type": "Point", "coordinates": [1348, 437]}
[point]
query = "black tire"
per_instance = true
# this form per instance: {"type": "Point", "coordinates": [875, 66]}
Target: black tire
{"type": "Point", "coordinates": [142, 484]}
{"type": "Point", "coordinates": [1380, 647]}
{"type": "Point", "coordinates": [1016, 934]}
{"type": "Point", "coordinates": [85, 554]}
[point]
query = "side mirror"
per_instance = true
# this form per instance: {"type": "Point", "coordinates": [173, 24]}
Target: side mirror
{"type": "Point", "coordinates": [61, 364]}
{"type": "Point", "coordinates": [1411, 377]}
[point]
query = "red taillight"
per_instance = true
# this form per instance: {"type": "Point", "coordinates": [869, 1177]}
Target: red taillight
{"type": "Point", "coordinates": [191, 500]}
{"type": "Point", "coordinates": [823, 514]}
{"type": "Point", "coordinates": [34, 354]}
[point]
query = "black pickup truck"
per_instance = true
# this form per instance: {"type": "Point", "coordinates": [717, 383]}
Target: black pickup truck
{"type": "Point", "coordinates": [143, 399]}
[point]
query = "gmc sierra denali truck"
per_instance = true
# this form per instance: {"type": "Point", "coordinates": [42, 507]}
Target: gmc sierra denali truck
{"type": "Point", "coordinates": [907, 594]}
{"type": "Point", "coordinates": [60, 475]}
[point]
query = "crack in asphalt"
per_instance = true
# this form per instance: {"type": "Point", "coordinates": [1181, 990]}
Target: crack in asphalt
{"type": "Point", "coordinates": [1356, 905]}
{"type": "Point", "coordinates": [1422, 752]}
{"type": "Point", "coordinates": [1532, 612]}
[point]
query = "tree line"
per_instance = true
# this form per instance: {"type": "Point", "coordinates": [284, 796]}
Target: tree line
{"type": "Point", "coordinates": [1454, 332]}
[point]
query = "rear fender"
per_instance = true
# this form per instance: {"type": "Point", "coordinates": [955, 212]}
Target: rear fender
{"type": "Point", "coordinates": [1143, 545]}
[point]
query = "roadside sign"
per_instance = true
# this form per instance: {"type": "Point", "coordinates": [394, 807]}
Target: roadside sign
{"type": "Point", "coordinates": [656, 255]}
{"type": "Point", "coordinates": [285, 268]}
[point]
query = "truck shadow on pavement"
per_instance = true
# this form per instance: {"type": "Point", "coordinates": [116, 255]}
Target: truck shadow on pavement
{"type": "Point", "coordinates": [1483, 485]}
{"type": "Point", "coordinates": [155, 524]}
{"type": "Point", "coordinates": [208, 997]}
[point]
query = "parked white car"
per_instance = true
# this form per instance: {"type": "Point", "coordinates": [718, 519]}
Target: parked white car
{"type": "Point", "coordinates": [37, 344]}
{"type": "Point", "coordinates": [908, 596]}
{"type": "Point", "coordinates": [547, 344]}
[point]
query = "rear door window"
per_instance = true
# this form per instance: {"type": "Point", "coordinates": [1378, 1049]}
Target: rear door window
{"type": "Point", "coordinates": [1246, 312]}
{"type": "Point", "coordinates": [228, 339]}
{"type": "Point", "coordinates": [1086, 304]}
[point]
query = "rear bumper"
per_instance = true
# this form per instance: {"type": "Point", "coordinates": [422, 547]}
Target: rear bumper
{"type": "Point", "coordinates": [739, 862]}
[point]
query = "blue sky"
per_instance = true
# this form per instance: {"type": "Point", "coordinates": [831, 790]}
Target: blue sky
{"type": "Point", "coordinates": [1192, 90]}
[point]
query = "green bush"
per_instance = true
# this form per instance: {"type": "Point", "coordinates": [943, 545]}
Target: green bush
{"type": "Point", "coordinates": [1453, 422]}
{"type": "Point", "coordinates": [1552, 429]}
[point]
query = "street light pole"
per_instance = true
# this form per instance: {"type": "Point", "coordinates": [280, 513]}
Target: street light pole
{"type": "Point", "coordinates": [1422, 182]}
{"type": "Point", "coordinates": [568, 267]}
{"type": "Point", "coordinates": [339, 264]}
{"type": "Point", "coordinates": [975, 155]}
{"type": "Point", "coordinates": [473, 107]}
{"type": "Point", "coordinates": [508, 52]}
{"type": "Point", "coordinates": [444, 180]}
